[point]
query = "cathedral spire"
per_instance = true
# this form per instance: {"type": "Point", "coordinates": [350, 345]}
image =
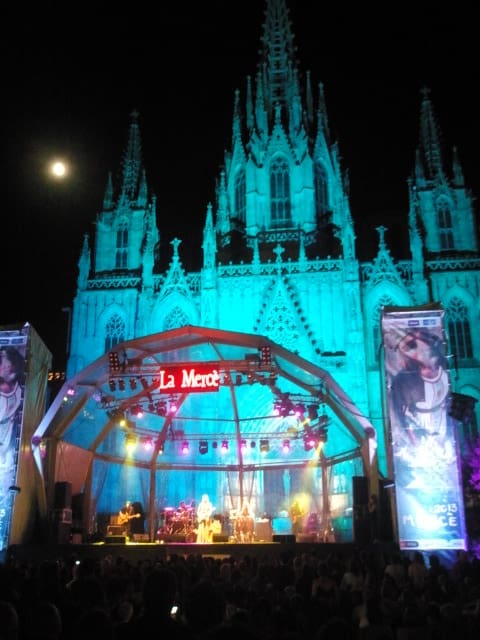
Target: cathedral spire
{"type": "Point", "coordinates": [430, 153]}
{"type": "Point", "coordinates": [278, 55]}
{"type": "Point", "coordinates": [108, 197]}
{"type": "Point", "coordinates": [132, 162]}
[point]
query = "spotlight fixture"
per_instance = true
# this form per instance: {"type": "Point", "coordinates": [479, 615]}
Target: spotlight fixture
{"type": "Point", "coordinates": [147, 443]}
{"type": "Point", "coordinates": [161, 446]}
{"type": "Point", "coordinates": [224, 446]}
{"type": "Point", "coordinates": [133, 384]}
{"type": "Point", "coordinates": [114, 361]}
{"type": "Point", "coordinates": [253, 444]}
{"type": "Point", "coordinates": [300, 410]}
{"type": "Point", "coordinates": [161, 408]}
{"type": "Point", "coordinates": [243, 446]}
{"type": "Point", "coordinates": [266, 355]}
{"type": "Point", "coordinates": [322, 435]}
{"type": "Point", "coordinates": [130, 441]}
{"type": "Point", "coordinates": [112, 385]}
{"type": "Point", "coordinates": [309, 440]}
{"type": "Point", "coordinates": [264, 446]}
{"type": "Point", "coordinates": [185, 447]}
{"type": "Point", "coordinates": [286, 446]}
{"type": "Point", "coordinates": [313, 411]}
{"type": "Point", "coordinates": [121, 384]}
{"type": "Point", "coordinates": [203, 447]}
{"type": "Point", "coordinates": [173, 406]}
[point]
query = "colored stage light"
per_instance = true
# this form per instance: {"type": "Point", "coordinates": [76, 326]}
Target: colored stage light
{"type": "Point", "coordinates": [243, 445]}
{"type": "Point", "coordinates": [203, 447]}
{"type": "Point", "coordinates": [112, 385]}
{"type": "Point", "coordinates": [147, 443]}
{"type": "Point", "coordinates": [185, 447]}
{"type": "Point", "coordinates": [224, 446]}
{"type": "Point", "coordinates": [130, 442]}
{"type": "Point", "coordinates": [121, 384]}
{"type": "Point", "coordinates": [286, 446]}
{"type": "Point", "coordinates": [133, 384]}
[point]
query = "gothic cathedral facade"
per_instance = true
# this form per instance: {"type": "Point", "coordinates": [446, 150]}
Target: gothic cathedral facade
{"type": "Point", "coordinates": [279, 244]}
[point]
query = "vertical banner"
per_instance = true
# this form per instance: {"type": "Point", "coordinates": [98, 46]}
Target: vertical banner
{"type": "Point", "coordinates": [425, 456]}
{"type": "Point", "coordinates": [13, 346]}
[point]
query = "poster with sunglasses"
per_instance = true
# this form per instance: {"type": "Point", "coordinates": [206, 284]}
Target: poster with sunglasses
{"type": "Point", "coordinates": [424, 454]}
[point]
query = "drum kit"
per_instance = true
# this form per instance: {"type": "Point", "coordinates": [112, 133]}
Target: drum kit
{"type": "Point", "coordinates": [178, 521]}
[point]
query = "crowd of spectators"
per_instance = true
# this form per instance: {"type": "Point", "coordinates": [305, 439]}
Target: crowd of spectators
{"type": "Point", "coordinates": [367, 594]}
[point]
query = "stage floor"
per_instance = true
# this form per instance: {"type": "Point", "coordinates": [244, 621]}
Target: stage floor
{"type": "Point", "coordinates": [137, 551]}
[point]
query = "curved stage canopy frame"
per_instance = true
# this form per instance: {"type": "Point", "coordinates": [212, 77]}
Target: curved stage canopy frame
{"type": "Point", "coordinates": [197, 400]}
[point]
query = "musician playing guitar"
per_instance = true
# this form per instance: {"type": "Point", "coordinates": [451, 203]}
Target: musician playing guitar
{"type": "Point", "coordinates": [125, 515]}
{"type": "Point", "coordinates": [296, 516]}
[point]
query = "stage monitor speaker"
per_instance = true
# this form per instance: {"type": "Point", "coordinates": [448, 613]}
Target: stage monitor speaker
{"type": "Point", "coordinates": [219, 537]}
{"type": "Point", "coordinates": [63, 495]}
{"type": "Point", "coordinates": [360, 490]}
{"type": "Point", "coordinates": [285, 539]}
{"type": "Point", "coordinates": [115, 539]}
{"type": "Point", "coordinates": [140, 537]}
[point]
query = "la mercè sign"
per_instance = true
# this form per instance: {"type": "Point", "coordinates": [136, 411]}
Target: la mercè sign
{"type": "Point", "coordinates": [186, 378]}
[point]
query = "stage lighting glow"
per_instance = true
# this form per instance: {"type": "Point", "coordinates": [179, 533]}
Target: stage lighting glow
{"type": "Point", "coordinates": [185, 447]}
{"type": "Point", "coordinates": [224, 446]}
{"type": "Point", "coordinates": [243, 445]}
{"type": "Point", "coordinates": [286, 446]}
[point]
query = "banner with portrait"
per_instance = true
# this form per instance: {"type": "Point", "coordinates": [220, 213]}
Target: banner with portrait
{"type": "Point", "coordinates": [424, 447]}
{"type": "Point", "coordinates": [13, 346]}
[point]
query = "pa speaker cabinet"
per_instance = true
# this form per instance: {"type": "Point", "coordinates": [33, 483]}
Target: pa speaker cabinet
{"type": "Point", "coordinates": [219, 537]}
{"type": "Point", "coordinates": [284, 539]}
{"type": "Point", "coordinates": [176, 537]}
{"type": "Point", "coordinates": [63, 495]}
{"type": "Point", "coordinates": [115, 539]}
{"type": "Point", "coordinates": [115, 530]}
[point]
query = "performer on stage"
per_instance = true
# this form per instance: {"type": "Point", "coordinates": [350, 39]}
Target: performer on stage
{"type": "Point", "coordinates": [245, 524]}
{"type": "Point", "coordinates": [296, 516]}
{"type": "Point", "coordinates": [204, 513]}
{"type": "Point", "coordinates": [125, 515]}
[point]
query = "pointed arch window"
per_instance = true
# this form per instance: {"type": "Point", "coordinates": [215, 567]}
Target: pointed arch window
{"type": "Point", "coordinates": [321, 189]}
{"type": "Point", "coordinates": [240, 196]}
{"type": "Point", "coordinates": [121, 247]}
{"type": "Point", "coordinates": [445, 227]}
{"type": "Point", "coordinates": [114, 332]}
{"type": "Point", "coordinates": [280, 205]}
{"type": "Point", "coordinates": [458, 327]}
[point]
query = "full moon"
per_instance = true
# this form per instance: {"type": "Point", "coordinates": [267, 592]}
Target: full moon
{"type": "Point", "coordinates": [58, 169]}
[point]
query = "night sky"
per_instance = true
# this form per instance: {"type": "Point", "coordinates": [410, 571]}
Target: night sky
{"type": "Point", "coordinates": [71, 94]}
